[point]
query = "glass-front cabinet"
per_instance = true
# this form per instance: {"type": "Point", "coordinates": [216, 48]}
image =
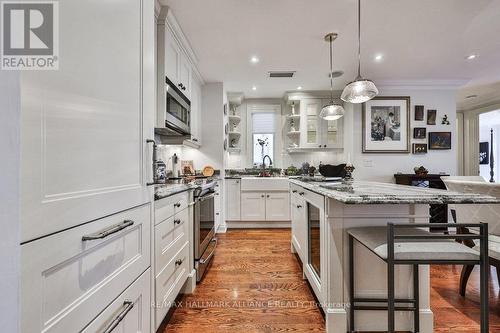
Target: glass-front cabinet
{"type": "Point", "coordinates": [319, 133]}
{"type": "Point", "coordinates": [314, 241]}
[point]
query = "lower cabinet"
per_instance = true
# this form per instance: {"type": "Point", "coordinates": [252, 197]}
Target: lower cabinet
{"type": "Point", "coordinates": [265, 206]}
{"type": "Point", "coordinates": [68, 279]}
{"type": "Point", "coordinates": [129, 313]}
{"type": "Point", "coordinates": [299, 227]}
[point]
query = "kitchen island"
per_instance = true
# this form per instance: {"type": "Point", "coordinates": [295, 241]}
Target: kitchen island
{"type": "Point", "coordinates": [321, 213]}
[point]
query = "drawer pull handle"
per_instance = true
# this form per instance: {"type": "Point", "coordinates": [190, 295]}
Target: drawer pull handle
{"type": "Point", "coordinates": [108, 231]}
{"type": "Point", "coordinates": [294, 191]}
{"type": "Point", "coordinates": [177, 205]}
{"type": "Point", "coordinates": [177, 221]}
{"type": "Point", "coordinates": [299, 206]}
{"type": "Point", "coordinates": [179, 262]}
{"type": "Point", "coordinates": [207, 259]}
{"type": "Point", "coordinates": [301, 193]}
{"type": "Point", "coordinates": [127, 306]}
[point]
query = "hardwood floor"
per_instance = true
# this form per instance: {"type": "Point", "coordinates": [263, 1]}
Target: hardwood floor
{"type": "Point", "coordinates": [255, 285]}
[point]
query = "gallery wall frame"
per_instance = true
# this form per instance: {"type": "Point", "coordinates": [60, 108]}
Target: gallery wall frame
{"type": "Point", "coordinates": [386, 125]}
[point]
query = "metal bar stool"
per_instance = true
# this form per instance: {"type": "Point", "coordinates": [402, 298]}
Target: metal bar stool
{"type": "Point", "coordinates": [416, 247]}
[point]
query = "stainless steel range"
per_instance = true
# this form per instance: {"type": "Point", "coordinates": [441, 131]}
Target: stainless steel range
{"type": "Point", "coordinates": [204, 227]}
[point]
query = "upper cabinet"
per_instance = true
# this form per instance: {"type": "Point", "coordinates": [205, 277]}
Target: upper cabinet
{"type": "Point", "coordinates": [306, 130]}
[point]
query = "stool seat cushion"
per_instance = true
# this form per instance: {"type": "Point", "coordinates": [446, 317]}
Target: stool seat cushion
{"type": "Point", "coordinates": [375, 239]}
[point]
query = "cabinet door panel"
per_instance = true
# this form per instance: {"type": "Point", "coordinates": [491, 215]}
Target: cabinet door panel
{"type": "Point", "coordinates": [233, 197]}
{"type": "Point", "coordinates": [185, 76]}
{"type": "Point", "coordinates": [253, 206]}
{"type": "Point", "coordinates": [278, 206]}
{"type": "Point", "coordinates": [172, 58]}
{"type": "Point", "coordinates": [84, 126]}
{"type": "Point", "coordinates": [310, 128]}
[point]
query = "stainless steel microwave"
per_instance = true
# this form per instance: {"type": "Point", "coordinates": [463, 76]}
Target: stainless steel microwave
{"type": "Point", "coordinates": [174, 116]}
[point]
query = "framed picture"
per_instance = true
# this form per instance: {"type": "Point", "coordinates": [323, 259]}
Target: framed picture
{"type": "Point", "coordinates": [386, 125]}
{"type": "Point", "coordinates": [419, 112]}
{"type": "Point", "coordinates": [484, 157]}
{"type": "Point", "coordinates": [419, 148]}
{"type": "Point", "coordinates": [439, 140]}
{"type": "Point", "coordinates": [419, 132]}
{"type": "Point", "coordinates": [431, 117]}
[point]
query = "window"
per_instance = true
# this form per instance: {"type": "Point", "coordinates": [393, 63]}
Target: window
{"type": "Point", "coordinates": [263, 130]}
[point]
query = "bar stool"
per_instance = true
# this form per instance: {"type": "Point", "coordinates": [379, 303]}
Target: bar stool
{"type": "Point", "coordinates": [416, 247]}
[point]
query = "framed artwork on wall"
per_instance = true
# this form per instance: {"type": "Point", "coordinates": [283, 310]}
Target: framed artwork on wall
{"type": "Point", "coordinates": [431, 117]}
{"type": "Point", "coordinates": [419, 148]}
{"type": "Point", "coordinates": [419, 112]}
{"type": "Point", "coordinates": [419, 132]}
{"type": "Point", "coordinates": [439, 140]}
{"type": "Point", "coordinates": [484, 148]}
{"type": "Point", "coordinates": [386, 125]}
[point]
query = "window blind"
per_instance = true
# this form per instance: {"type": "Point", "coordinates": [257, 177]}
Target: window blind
{"type": "Point", "coordinates": [263, 122]}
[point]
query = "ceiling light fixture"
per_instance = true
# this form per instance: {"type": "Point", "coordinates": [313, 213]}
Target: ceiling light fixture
{"type": "Point", "coordinates": [331, 111]}
{"type": "Point", "coordinates": [471, 57]}
{"type": "Point", "coordinates": [254, 60]}
{"type": "Point", "coordinates": [254, 88]}
{"type": "Point", "coordinates": [360, 90]}
{"type": "Point", "coordinates": [299, 88]}
{"type": "Point", "coordinates": [379, 57]}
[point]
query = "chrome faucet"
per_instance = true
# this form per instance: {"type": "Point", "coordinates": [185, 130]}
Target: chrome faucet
{"type": "Point", "coordinates": [264, 163]}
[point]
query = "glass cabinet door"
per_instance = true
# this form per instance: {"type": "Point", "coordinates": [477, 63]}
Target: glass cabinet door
{"type": "Point", "coordinates": [314, 245]}
{"type": "Point", "coordinates": [310, 109]}
{"type": "Point", "coordinates": [332, 132]}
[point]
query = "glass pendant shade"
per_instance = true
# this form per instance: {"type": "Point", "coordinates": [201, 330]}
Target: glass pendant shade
{"type": "Point", "coordinates": [332, 111]}
{"type": "Point", "coordinates": [359, 91]}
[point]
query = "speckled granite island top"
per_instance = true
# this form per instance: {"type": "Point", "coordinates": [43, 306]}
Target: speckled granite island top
{"type": "Point", "coordinates": [364, 192]}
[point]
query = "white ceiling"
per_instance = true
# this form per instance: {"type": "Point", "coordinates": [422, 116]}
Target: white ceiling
{"type": "Point", "coordinates": [420, 40]}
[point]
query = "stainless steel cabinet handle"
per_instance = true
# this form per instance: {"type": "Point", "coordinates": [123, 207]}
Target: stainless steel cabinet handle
{"type": "Point", "coordinates": [179, 262]}
{"type": "Point", "coordinates": [299, 206]}
{"type": "Point", "coordinates": [301, 193]}
{"type": "Point", "coordinates": [268, 195]}
{"type": "Point", "coordinates": [203, 261]}
{"type": "Point", "coordinates": [177, 205]}
{"type": "Point", "coordinates": [154, 160]}
{"type": "Point", "coordinates": [127, 306]}
{"type": "Point", "coordinates": [177, 221]}
{"type": "Point", "coordinates": [262, 196]}
{"type": "Point", "coordinates": [294, 191]}
{"type": "Point", "coordinates": [108, 231]}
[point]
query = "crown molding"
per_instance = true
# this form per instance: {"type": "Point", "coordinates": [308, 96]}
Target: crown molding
{"type": "Point", "coordinates": [482, 107]}
{"type": "Point", "coordinates": [422, 84]}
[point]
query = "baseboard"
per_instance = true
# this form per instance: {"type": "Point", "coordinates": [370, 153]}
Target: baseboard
{"type": "Point", "coordinates": [257, 224]}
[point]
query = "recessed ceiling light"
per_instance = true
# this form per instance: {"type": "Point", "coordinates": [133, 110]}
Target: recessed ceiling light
{"type": "Point", "coordinates": [471, 57]}
{"type": "Point", "coordinates": [254, 88]}
{"type": "Point", "coordinates": [254, 60]}
{"type": "Point", "coordinates": [379, 57]}
{"type": "Point", "coordinates": [299, 88]}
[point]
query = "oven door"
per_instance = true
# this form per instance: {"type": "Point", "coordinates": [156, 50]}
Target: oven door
{"type": "Point", "coordinates": [178, 111]}
{"type": "Point", "coordinates": [204, 224]}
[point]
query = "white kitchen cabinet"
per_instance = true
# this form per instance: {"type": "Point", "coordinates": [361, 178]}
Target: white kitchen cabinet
{"type": "Point", "coordinates": [84, 127]}
{"type": "Point", "coordinates": [172, 58]}
{"type": "Point", "coordinates": [277, 206]}
{"type": "Point", "coordinates": [185, 75]}
{"type": "Point", "coordinates": [218, 204]}
{"type": "Point", "coordinates": [233, 197]}
{"type": "Point", "coordinates": [196, 113]}
{"type": "Point", "coordinates": [299, 226]}
{"type": "Point", "coordinates": [130, 311]}
{"type": "Point", "coordinates": [315, 132]}
{"type": "Point", "coordinates": [265, 206]}
{"type": "Point", "coordinates": [253, 206]}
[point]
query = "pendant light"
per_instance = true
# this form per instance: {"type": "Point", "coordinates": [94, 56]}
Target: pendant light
{"type": "Point", "coordinates": [360, 90]}
{"type": "Point", "coordinates": [332, 111]}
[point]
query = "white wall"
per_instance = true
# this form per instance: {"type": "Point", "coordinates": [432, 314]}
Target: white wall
{"type": "Point", "coordinates": [9, 200]}
{"type": "Point", "coordinates": [384, 166]}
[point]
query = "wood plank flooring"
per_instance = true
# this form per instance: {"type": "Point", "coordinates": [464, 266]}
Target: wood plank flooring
{"type": "Point", "coordinates": [255, 285]}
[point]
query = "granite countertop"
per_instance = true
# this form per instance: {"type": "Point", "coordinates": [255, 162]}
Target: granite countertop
{"type": "Point", "coordinates": [163, 191]}
{"type": "Point", "coordinates": [364, 192]}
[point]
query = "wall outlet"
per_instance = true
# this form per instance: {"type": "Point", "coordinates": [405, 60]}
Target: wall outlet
{"type": "Point", "coordinates": [367, 163]}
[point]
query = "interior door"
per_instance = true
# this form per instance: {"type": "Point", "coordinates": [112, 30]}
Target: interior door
{"type": "Point", "coordinates": [84, 127]}
{"type": "Point", "coordinates": [277, 206]}
{"type": "Point", "coordinates": [253, 206]}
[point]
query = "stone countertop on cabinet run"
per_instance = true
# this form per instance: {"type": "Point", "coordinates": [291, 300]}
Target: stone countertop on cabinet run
{"type": "Point", "coordinates": [365, 192]}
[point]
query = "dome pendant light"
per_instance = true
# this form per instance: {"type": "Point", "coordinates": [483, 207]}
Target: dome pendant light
{"type": "Point", "coordinates": [360, 90]}
{"type": "Point", "coordinates": [332, 111]}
